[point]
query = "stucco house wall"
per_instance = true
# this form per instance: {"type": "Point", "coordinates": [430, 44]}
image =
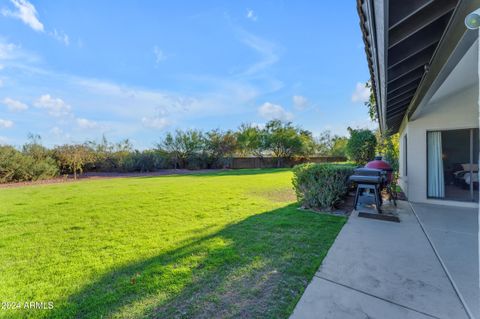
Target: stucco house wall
{"type": "Point", "coordinates": [457, 111]}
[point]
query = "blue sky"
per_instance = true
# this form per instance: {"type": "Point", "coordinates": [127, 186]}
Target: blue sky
{"type": "Point", "coordinates": [75, 70]}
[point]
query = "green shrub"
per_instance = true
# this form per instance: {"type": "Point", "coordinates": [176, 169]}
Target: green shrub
{"type": "Point", "coordinates": [388, 147]}
{"type": "Point", "coordinates": [11, 164]}
{"type": "Point", "coordinates": [18, 167]}
{"type": "Point", "coordinates": [43, 169]}
{"type": "Point", "coordinates": [321, 186]}
{"type": "Point", "coordinates": [145, 161]}
{"type": "Point", "coordinates": [361, 145]}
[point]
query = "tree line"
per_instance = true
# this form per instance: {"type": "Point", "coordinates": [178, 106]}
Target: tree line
{"type": "Point", "coordinates": [190, 149]}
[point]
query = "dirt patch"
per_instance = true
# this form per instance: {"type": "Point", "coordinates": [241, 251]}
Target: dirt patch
{"type": "Point", "coordinates": [239, 296]}
{"type": "Point", "coordinates": [278, 195]}
{"type": "Point", "coordinates": [93, 176]}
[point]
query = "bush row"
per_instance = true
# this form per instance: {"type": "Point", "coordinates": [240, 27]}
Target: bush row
{"type": "Point", "coordinates": [25, 165]}
{"type": "Point", "coordinates": [190, 149]}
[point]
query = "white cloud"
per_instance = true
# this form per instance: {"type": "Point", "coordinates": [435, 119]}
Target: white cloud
{"type": "Point", "coordinates": [56, 131]}
{"type": "Point", "coordinates": [4, 140]}
{"type": "Point", "coordinates": [271, 111]}
{"type": "Point", "coordinates": [55, 106]}
{"type": "Point", "coordinates": [60, 135]}
{"type": "Point", "coordinates": [86, 124]}
{"type": "Point", "coordinates": [7, 50]}
{"type": "Point", "coordinates": [266, 49]}
{"type": "Point", "coordinates": [5, 123]}
{"type": "Point", "coordinates": [361, 93]}
{"type": "Point", "coordinates": [156, 122]}
{"type": "Point", "coordinates": [251, 15]}
{"type": "Point", "coordinates": [300, 102]}
{"type": "Point", "coordinates": [26, 12]}
{"type": "Point", "coordinates": [159, 55]}
{"type": "Point", "coordinates": [138, 102]}
{"type": "Point", "coordinates": [14, 105]}
{"type": "Point", "coordinates": [12, 52]}
{"type": "Point", "coordinates": [60, 36]}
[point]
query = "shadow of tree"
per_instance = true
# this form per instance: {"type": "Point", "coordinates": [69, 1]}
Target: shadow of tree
{"type": "Point", "coordinates": [257, 267]}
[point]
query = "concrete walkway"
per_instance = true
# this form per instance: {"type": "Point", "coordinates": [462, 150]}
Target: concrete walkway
{"type": "Point", "coordinates": [453, 232]}
{"type": "Point", "coordinates": [380, 269]}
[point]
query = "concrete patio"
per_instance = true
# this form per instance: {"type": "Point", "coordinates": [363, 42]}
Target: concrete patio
{"type": "Point", "coordinates": [453, 232]}
{"type": "Point", "coordinates": [381, 269]}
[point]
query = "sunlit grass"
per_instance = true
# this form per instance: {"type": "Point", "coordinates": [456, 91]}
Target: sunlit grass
{"type": "Point", "coordinates": [229, 244]}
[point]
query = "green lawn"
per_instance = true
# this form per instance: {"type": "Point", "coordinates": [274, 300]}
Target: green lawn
{"type": "Point", "coordinates": [228, 244]}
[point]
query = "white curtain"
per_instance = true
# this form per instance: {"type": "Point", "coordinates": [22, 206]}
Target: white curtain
{"type": "Point", "coordinates": [436, 181]}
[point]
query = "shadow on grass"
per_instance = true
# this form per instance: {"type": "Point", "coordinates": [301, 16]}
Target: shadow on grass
{"type": "Point", "coordinates": [257, 267]}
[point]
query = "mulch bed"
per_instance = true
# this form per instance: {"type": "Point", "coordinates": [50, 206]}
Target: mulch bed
{"type": "Point", "coordinates": [346, 207]}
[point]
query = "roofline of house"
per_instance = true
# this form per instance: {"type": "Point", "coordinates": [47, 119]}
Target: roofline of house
{"type": "Point", "coordinates": [455, 40]}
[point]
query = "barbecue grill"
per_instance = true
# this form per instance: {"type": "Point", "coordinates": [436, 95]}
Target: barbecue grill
{"type": "Point", "coordinates": [372, 179]}
{"type": "Point", "coordinates": [381, 164]}
{"type": "Point", "coordinates": [376, 176]}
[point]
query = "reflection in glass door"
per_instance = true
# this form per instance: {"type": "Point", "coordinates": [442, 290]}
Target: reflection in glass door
{"type": "Point", "coordinates": [452, 164]}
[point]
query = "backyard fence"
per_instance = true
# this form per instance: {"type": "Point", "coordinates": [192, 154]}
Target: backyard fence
{"type": "Point", "coordinates": [272, 162]}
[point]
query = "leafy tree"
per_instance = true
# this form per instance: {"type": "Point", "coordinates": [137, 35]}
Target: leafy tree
{"type": "Point", "coordinates": [388, 148]}
{"type": "Point", "coordinates": [324, 143]}
{"type": "Point", "coordinates": [250, 140]}
{"type": "Point", "coordinates": [35, 149]}
{"type": "Point", "coordinates": [182, 146]}
{"type": "Point", "coordinates": [284, 140]}
{"type": "Point", "coordinates": [308, 143]}
{"type": "Point", "coordinates": [328, 145]}
{"type": "Point", "coordinates": [73, 158]}
{"type": "Point", "coordinates": [361, 145]}
{"type": "Point", "coordinates": [339, 146]}
{"type": "Point", "coordinates": [371, 104]}
{"type": "Point", "coordinates": [219, 146]}
{"type": "Point", "coordinates": [110, 156]}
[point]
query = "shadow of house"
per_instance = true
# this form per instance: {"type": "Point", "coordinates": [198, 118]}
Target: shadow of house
{"type": "Point", "coordinates": [257, 267]}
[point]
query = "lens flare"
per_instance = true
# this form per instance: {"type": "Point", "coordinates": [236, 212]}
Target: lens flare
{"type": "Point", "coordinates": [472, 21]}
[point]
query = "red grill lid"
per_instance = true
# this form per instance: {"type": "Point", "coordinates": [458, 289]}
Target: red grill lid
{"type": "Point", "coordinates": [378, 163]}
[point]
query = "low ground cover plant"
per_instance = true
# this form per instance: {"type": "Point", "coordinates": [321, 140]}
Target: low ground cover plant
{"type": "Point", "coordinates": [321, 186]}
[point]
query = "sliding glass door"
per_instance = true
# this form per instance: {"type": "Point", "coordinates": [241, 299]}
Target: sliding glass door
{"type": "Point", "coordinates": [452, 164]}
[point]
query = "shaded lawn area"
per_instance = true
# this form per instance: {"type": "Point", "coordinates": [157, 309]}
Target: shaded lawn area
{"type": "Point", "coordinates": [229, 244]}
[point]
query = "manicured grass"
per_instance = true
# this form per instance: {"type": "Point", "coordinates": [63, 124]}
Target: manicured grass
{"type": "Point", "coordinates": [230, 244]}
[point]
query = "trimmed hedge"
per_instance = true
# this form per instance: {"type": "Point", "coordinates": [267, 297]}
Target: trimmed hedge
{"type": "Point", "coordinates": [321, 186]}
